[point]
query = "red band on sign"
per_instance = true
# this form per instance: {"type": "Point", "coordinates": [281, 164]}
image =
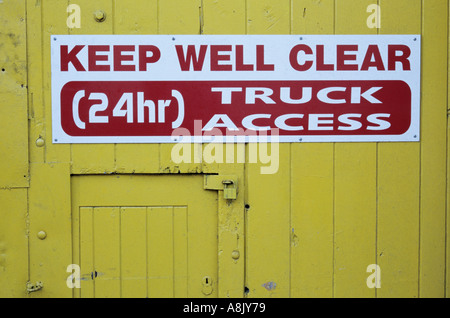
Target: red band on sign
{"type": "Point", "coordinates": [156, 108]}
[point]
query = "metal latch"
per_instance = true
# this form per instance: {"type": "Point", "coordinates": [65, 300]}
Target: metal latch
{"type": "Point", "coordinates": [226, 183]}
{"type": "Point", "coordinates": [229, 190]}
{"type": "Point", "coordinates": [34, 287]}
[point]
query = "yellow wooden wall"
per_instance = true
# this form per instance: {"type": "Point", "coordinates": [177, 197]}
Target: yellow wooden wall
{"type": "Point", "coordinates": [311, 229]}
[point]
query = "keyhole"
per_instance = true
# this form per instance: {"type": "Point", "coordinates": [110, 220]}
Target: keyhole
{"type": "Point", "coordinates": [207, 286]}
{"type": "Point", "coordinates": [207, 281]}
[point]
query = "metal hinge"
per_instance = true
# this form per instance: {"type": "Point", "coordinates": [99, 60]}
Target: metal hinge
{"type": "Point", "coordinates": [226, 183]}
{"type": "Point", "coordinates": [34, 287]}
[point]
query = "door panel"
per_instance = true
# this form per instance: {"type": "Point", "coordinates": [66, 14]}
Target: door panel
{"type": "Point", "coordinates": [134, 237]}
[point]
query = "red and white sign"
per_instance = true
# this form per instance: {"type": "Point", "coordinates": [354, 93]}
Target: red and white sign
{"type": "Point", "coordinates": [314, 88]}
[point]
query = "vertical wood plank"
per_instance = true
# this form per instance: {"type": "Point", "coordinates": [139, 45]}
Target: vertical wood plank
{"type": "Point", "coordinates": [86, 252]}
{"type": "Point", "coordinates": [447, 271]}
{"type": "Point", "coordinates": [203, 231]}
{"type": "Point", "coordinates": [107, 252]}
{"type": "Point", "coordinates": [398, 220]}
{"type": "Point", "coordinates": [13, 243]}
{"type": "Point", "coordinates": [312, 220]}
{"type": "Point", "coordinates": [398, 183]}
{"type": "Point", "coordinates": [160, 251]}
{"type": "Point", "coordinates": [225, 17]}
{"type": "Point", "coordinates": [13, 96]}
{"type": "Point", "coordinates": [180, 252]}
{"type": "Point", "coordinates": [355, 218]}
{"type": "Point", "coordinates": [268, 228]}
{"type": "Point", "coordinates": [312, 171]}
{"type": "Point", "coordinates": [35, 88]}
{"type": "Point", "coordinates": [231, 270]}
{"type": "Point", "coordinates": [133, 252]}
{"type": "Point", "coordinates": [433, 143]}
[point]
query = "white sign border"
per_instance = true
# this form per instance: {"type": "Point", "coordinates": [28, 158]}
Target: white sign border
{"type": "Point", "coordinates": [58, 81]}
